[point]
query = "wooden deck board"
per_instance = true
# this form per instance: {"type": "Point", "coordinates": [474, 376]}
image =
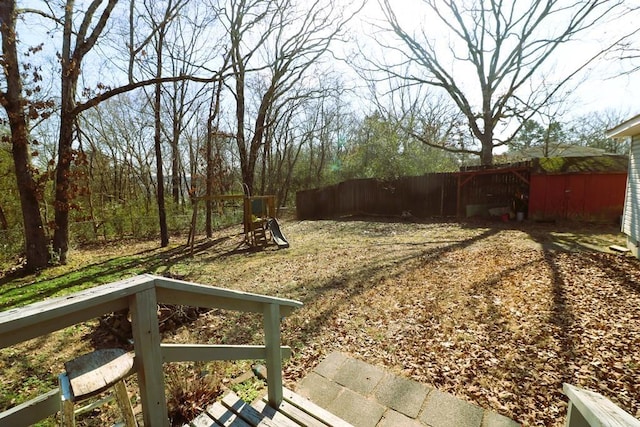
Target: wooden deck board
{"type": "Point", "coordinates": [280, 419]}
{"type": "Point", "coordinates": [595, 409]}
{"type": "Point", "coordinates": [225, 417]}
{"type": "Point", "coordinates": [248, 413]}
{"type": "Point", "coordinates": [313, 409]}
{"type": "Point", "coordinates": [299, 416]}
{"type": "Point", "coordinates": [294, 411]}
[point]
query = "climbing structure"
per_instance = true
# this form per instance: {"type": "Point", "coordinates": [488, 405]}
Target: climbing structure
{"type": "Point", "coordinates": [259, 220]}
{"type": "Point", "coordinates": [259, 212]}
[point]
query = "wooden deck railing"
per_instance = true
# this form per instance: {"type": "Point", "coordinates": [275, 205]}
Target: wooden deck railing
{"type": "Point", "coordinates": [141, 295]}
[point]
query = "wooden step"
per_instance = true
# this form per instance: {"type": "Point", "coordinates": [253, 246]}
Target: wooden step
{"type": "Point", "coordinates": [294, 411]}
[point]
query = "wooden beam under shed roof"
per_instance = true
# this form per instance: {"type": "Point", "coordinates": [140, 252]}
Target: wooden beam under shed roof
{"type": "Point", "coordinates": [514, 170]}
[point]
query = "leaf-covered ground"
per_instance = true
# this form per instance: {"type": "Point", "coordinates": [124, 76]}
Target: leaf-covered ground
{"type": "Point", "coordinates": [497, 314]}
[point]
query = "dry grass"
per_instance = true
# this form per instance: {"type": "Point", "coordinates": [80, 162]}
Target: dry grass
{"type": "Point", "coordinates": [498, 314]}
{"type": "Point", "coordinates": [190, 389]}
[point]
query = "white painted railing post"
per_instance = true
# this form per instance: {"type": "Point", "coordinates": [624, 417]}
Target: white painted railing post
{"type": "Point", "coordinates": [148, 361]}
{"type": "Point", "coordinates": [574, 417]}
{"type": "Point", "coordinates": [588, 408]}
{"type": "Point", "coordinates": [274, 355]}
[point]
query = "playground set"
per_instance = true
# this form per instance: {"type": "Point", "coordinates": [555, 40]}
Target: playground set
{"type": "Point", "coordinates": [259, 219]}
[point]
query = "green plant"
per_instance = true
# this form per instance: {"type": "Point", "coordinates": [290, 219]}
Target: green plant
{"type": "Point", "coordinates": [250, 389]}
{"type": "Point", "coordinates": [54, 256]}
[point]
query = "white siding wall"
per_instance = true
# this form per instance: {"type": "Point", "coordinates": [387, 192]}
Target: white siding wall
{"type": "Point", "coordinates": [631, 215]}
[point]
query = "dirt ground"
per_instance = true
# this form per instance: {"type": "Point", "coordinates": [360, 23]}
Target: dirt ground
{"type": "Point", "coordinates": [499, 314]}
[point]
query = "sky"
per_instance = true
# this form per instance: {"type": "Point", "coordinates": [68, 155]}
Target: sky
{"type": "Point", "coordinates": [604, 88]}
{"type": "Point", "coordinates": [599, 91]}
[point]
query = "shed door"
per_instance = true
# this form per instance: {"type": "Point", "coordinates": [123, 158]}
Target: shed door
{"type": "Point", "coordinates": [575, 196]}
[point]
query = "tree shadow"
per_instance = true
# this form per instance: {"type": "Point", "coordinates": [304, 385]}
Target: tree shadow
{"type": "Point", "coordinates": [573, 237]}
{"type": "Point", "coordinates": [330, 296]}
{"type": "Point", "coordinates": [554, 240]}
{"type": "Point", "coordinates": [619, 268]}
{"type": "Point", "coordinates": [562, 317]}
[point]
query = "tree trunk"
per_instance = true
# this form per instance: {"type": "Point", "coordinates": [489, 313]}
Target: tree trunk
{"type": "Point", "coordinates": [70, 74]}
{"type": "Point", "coordinates": [209, 175]}
{"type": "Point", "coordinates": [175, 160]}
{"type": "Point", "coordinates": [162, 214]}
{"type": "Point", "coordinates": [263, 172]}
{"type": "Point", "coordinates": [214, 113]}
{"type": "Point", "coordinates": [4, 225]}
{"type": "Point", "coordinates": [245, 168]}
{"type": "Point", "coordinates": [71, 60]}
{"type": "Point", "coordinates": [486, 150]}
{"type": "Point", "coordinates": [61, 205]}
{"type": "Point", "coordinates": [209, 186]}
{"type": "Point", "coordinates": [247, 175]}
{"type": "Point", "coordinates": [14, 104]}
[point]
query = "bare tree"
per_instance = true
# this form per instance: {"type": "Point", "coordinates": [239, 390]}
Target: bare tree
{"type": "Point", "coordinates": [589, 130]}
{"type": "Point", "coordinates": [119, 132]}
{"type": "Point", "coordinates": [289, 39]}
{"type": "Point", "coordinates": [215, 169]}
{"type": "Point", "coordinates": [75, 46]}
{"type": "Point", "coordinates": [157, 17]}
{"type": "Point", "coordinates": [189, 44]}
{"type": "Point", "coordinates": [493, 58]}
{"type": "Point", "coordinates": [18, 111]}
{"type": "Point", "coordinates": [82, 27]}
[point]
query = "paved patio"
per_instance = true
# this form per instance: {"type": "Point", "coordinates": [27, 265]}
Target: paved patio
{"type": "Point", "coordinates": [368, 396]}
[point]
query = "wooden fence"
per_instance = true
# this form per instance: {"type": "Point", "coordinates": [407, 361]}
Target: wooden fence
{"type": "Point", "coordinates": [423, 196]}
{"type": "Point", "coordinates": [590, 188]}
{"type": "Point", "coordinates": [470, 192]}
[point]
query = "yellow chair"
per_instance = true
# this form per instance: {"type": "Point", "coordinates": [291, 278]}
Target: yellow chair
{"type": "Point", "coordinates": [91, 374]}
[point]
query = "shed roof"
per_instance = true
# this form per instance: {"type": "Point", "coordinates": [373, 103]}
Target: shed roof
{"type": "Point", "coordinates": [629, 128]}
{"type": "Point", "coordinates": [590, 164]}
{"type": "Point", "coordinates": [555, 150]}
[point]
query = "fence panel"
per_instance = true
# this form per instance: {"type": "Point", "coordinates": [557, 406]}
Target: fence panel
{"type": "Point", "coordinates": [423, 196]}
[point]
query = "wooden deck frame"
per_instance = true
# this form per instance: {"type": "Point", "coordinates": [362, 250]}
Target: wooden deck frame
{"type": "Point", "coordinates": [590, 409]}
{"type": "Point", "coordinates": [141, 295]}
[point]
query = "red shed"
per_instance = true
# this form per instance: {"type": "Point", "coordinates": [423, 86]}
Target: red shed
{"type": "Point", "coordinates": [583, 188]}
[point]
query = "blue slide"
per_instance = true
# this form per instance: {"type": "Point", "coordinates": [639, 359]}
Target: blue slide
{"type": "Point", "coordinates": [278, 237]}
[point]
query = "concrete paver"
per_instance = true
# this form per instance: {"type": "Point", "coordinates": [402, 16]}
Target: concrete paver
{"type": "Point", "coordinates": [393, 418]}
{"type": "Point", "coordinates": [330, 364]}
{"type": "Point", "coordinates": [445, 410]}
{"type": "Point", "coordinates": [320, 390]}
{"type": "Point", "coordinates": [356, 409]}
{"type": "Point", "coordinates": [359, 376]}
{"type": "Point", "coordinates": [401, 394]}
{"type": "Point", "coordinates": [368, 396]}
{"type": "Point", "coordinates": [493, 419]}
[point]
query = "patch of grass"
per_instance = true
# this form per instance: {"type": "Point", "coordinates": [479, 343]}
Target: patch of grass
{"type": "Point", "coordinates": [85, 271]}
{"type": "Point", "coordinates": [250, 389]}
{"type": "Point", "coordinates": [64, 280]}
